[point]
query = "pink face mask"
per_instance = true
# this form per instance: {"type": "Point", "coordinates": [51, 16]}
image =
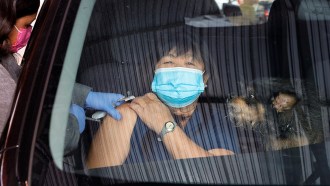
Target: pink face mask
{"type": "Point", "coordinates": [23, 37]}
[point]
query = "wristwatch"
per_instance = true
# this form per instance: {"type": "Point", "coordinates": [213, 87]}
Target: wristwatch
{"type": "Point", "coordinates": [168, 127]}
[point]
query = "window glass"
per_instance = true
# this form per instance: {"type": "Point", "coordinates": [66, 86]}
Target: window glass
{"type": "Point", "coordinates": [58, 129]}
{"type": "Point", "coordinates": [226, 92]}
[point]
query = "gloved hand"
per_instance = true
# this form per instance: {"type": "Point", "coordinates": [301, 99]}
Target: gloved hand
{"type": "Point", "coordinates": [79, 113]}
{"type": "Point", "coordinates": [105, 102]}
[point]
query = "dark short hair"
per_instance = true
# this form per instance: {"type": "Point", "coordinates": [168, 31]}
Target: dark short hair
{"type": "Point", "coordinates": [180, 38]}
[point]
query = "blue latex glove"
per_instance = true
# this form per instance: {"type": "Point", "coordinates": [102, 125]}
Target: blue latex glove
{"type": "Point", "coordinates": [104, 101]}
{"type": "Point", "coordinates": [79, 113]}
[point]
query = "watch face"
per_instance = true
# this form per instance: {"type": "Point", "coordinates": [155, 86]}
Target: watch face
{"type": "Point", "coordinates": [169, 126]}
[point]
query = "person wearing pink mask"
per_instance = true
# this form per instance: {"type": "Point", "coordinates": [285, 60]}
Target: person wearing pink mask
{"type": "Point", "coordinates": [15, 30]}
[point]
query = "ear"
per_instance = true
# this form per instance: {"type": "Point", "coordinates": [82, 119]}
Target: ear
{"type": "Point", "coordinates": [206, 77]}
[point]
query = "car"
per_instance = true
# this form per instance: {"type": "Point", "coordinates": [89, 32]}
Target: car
{"type": "Point", "coordinates": [263, 9]}
{"type": "Point", "coordinates": [108, 45]}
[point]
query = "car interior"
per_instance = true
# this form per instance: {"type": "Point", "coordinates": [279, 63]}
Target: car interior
{"type": "Point", "coordinates": [286, 51]}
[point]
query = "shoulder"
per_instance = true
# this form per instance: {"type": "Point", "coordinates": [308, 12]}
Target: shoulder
{"type": "Point", "coordinates": [6, 78]}
{"type": "Point", "coordinates": [128, 115]}
{"type": "Point", "coordinates": [7, 59]}
{"type": "Point", "coordinates": [10, 64]}
{"type": "Point", "coordinates": [126, 110]}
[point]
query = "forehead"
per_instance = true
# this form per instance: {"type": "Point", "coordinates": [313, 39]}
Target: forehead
{"type": "Point", "coordinates": [185, 57]}
{"type": "Point", "coordinates": [26, 20]}
{"type": "Point", "coordinates": [183, 53]}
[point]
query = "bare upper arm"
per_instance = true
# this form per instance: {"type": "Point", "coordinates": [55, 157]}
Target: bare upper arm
{"type": "Point", "coordinates": [111, 142]}
{"type": "Point", "coordinates": [128, 116]}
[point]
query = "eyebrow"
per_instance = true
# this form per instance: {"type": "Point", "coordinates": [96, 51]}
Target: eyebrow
{"type": "Point", "coordinates": [171, 55]}
{"type": "Point", "coordinates": [178, 55]}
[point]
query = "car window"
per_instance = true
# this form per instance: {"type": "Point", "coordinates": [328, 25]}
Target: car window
{"type": "Point", "coordinates": [220, 92]}
{"type": "Point", "coordinates": [63, 95]}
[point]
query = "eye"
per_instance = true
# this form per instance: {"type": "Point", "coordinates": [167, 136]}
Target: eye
{"type": "Point", "coordinates": [190, 63]}
{"type": "Point", "coordinates": [168, 62]}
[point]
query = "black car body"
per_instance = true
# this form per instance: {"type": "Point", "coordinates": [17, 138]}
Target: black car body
{"type": "Point", "coordinates": [75, 41]}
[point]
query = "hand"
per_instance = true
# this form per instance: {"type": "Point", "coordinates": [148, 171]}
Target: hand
{"type": "Point", "coordinates": [151, 111]}
{"type": "Point", "coordinates": [79, 113]}
{"type": "Point", "coordinates": [105, 102]}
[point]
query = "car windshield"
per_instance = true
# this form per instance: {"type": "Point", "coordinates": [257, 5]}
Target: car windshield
{"type": "Point", "coordinates": [183, 91]}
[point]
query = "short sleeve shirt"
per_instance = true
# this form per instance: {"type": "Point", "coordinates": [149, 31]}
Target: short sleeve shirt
{"type": "Point", "coordinates": [208, 128]}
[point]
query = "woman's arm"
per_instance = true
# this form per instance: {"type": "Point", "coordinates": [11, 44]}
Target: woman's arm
{"type": "Point", "coordinates": [155, 114]}
{"type": "Point", "coordinates": [180, 146]}
{"type": "Point", "coordinates": [111, 143]}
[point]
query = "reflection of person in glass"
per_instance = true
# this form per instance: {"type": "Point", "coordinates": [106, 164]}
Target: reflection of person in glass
{"type": "Point", "coordinates": [166, 113]}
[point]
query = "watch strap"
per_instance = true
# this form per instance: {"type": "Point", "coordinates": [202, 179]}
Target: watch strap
{"type": "Point", "coordinates": [169, 126]}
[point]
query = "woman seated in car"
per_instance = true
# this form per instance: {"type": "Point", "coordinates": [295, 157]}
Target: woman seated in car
{"type": "Point", "coordinates": [164, 124]}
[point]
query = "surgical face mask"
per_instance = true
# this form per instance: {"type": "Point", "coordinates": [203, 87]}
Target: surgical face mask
{"type": "Point", "coordinates": [22, 39]}
{"type": "Point", "coordinates": [178, 87]}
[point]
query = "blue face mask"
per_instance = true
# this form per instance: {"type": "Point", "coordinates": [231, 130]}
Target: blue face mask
{"type": "Point", "coordinates": [178, 87]}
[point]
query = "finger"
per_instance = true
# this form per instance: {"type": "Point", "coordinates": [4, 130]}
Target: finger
{"type": "Point", "coordinates": [136, 107]}
{"type": "Point", "coordinates": [119, 103]}
{"type": "Point", "coordinates": [114, 113]}
{"type": "Point", "coordinates": [79, 113]}
{"type": "Point", "coordinates": [141, 101]}
{"type": "Point", "coordinates": [152, 96]}
{"type": "Point", "coordinates": [115, 97]}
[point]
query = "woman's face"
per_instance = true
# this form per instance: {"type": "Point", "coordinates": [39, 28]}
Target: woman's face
{"type": "Point", "coordinates": [22, 22]}
{"type": "Point", "coordinates": [186, 60]}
